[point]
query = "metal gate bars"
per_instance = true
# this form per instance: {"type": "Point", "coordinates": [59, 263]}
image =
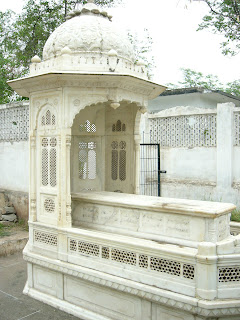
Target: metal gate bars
{"type": "Point", "coordinates": [150, 169]}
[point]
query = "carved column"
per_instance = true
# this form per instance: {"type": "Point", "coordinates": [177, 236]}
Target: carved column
{"type": "Point", "coordinates": [65, 180]}
{"type": "Point", "coordinates": [68, 182]}
{"type": "Point", "coordinates": [59, 181]}
{"type": "Point", "coordinates": [137, 140]}
{"type": "Point", "coordinates": [64, 194]}
{"type": "Point", "coordinates": [32, 182]}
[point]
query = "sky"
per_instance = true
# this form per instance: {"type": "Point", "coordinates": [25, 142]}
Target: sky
{"type": "Point", "coordinates": [176, 43]}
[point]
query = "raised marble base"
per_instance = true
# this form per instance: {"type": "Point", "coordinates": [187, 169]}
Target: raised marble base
{"type": "Point", "coordinates": [93, 295]}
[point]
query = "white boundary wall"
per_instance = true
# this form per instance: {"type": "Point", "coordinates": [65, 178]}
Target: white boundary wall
{"type": "Point", "coordinates": [14, 162]}
{"type": "Point", "coordinates": [209, 171]}
{"type": "Point", "coordinates": [200, 150]}
{"type": "Point", "coordinates": [14, 166]}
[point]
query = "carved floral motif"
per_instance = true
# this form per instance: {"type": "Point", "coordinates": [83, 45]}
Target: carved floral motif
{"type": "Point", "coordinates": [87, 33]}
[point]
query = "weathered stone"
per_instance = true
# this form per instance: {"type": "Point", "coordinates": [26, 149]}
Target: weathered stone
{"type": "Point", "coordinates": [2, 200]}
{"type": "Point", "coordinates": [20, 202]}
{"type": "Point", "coordinates": [0, 214]}
{"type": "Point", "coordinates": [9, 210]}
{"type": "Point", "coordinates": [9, 217]}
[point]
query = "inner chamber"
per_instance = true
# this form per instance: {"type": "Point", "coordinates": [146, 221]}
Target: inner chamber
{"type": "Point", "coordinates": [103, 149]}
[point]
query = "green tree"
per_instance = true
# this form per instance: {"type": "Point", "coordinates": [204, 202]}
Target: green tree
{"type": "Point", "coordinates": [193, 78]}
{"type": "Point", "coordinates": [224, 18]}
{"type": "Point", "coordinates": [233, 88]}
{"type": "Point", "coordinates": [142, 45]}
{"type": "Point", "coordinates": [23, 36]}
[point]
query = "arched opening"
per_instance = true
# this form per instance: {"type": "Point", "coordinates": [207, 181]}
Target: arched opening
{"type": "Point", "coordinates": [103, 149]}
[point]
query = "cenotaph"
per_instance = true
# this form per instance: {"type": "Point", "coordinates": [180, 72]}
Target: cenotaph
{"type": "Point", "coordinates": [96, 248]}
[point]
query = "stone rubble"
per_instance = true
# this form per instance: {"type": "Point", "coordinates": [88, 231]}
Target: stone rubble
{"type": "Point", "coordinates": [7, 210]}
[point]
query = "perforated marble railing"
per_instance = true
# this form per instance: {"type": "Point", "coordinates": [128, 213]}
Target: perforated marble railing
{"type": "Point", "coordinates": [132, 258]}
{"type": "Point", "coordinates": [127, 260]}
{"type": "Point", "coordinates": [172, 268]}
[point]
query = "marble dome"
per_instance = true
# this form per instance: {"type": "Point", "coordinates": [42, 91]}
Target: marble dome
{"type": "Point", "coordinates": [88, 30]}
{"type": "Point", "coordinates": [88, 42]}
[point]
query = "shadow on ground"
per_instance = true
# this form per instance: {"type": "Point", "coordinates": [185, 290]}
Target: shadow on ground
{"type": "Point", "coordinates": [14, 305]}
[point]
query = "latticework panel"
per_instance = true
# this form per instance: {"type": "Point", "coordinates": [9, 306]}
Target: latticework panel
{"type": "Point", "coordinates": [88, 127]}
{"type": "Point", "coordinates": [45, 238]}
{"type": "Point", "coordinates": [105, 252]}
{"type": "Point", "coordinates": [49, 161]}
{"type": "Point", "coordinates": [229, 274]}
{"type": "Point", "coordinates": [166, 266]}
{"type": "Point", "coordinates": [88, 248]}
{"type": "Point", "coordinates": [44, 167]}
{"type": "Point", "coordinates": [122, 165]}
{"type": "Point", "coordinates": [124, 256]}
{"type": "Point", "coordinates": [118, 126]}
{"type": "Point", "coordinates": [119, 160]}
{"type": "Point", "coordinates": [49, 205]}
{"type": "Point", "coordinates": [184, 131]}
{"type": "Point", "coordinates": [53, 167]}
{"type": "Point", "coordinates": [236, 128]}
{"type": "Point", "coordinates": [143, 261]}
{"type": "Point", "coordinates": [84, 247]}
{"type": "Point", "coordinates": [14, 124]}
{"type": "Point", "coordinates": [134, 259]}
{"type": "Point", "coordinates": [87, 158]}
{"type": "Point", "coordinates": [188, 271]}
{"type": "Point", "coordinates": [48, 119]}
{"type": "Point", "coordinates": [114, 165]}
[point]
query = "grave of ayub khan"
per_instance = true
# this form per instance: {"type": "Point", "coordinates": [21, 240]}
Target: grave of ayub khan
{"type": "Point", "coordinates": [96, 248]}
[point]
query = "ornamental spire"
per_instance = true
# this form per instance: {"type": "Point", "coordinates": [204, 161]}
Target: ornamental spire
{"type": "Point", "coordinates": [89, 7]}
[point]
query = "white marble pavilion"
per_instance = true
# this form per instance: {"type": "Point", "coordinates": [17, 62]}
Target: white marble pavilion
{"type": "Point", "coordinates": [97, 249]}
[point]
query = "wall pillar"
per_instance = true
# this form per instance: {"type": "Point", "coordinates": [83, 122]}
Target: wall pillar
{"type": "Point", "coordinates": [224, 147]}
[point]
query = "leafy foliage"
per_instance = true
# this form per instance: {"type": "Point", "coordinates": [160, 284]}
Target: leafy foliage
{"type": "Point", "coordinates": [224, 18]}
{"type": "Point", "coordinates": [233, 88]}
{"type": "Point", "coordinates": [235, 216]}
{"type": "Point", "coordinates": [193, 78]}
{"type": "Point", "coordinates": [142, 46]}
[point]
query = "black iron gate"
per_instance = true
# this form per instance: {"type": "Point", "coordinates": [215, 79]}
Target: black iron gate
{"type": "Point", "coordinates": [150, 169]}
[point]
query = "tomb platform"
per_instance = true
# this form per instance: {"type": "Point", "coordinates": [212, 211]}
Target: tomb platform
{"type": "Point", "coordinates": [97, 249]}
{"type": "Point", "coordinates": [137, 257]}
